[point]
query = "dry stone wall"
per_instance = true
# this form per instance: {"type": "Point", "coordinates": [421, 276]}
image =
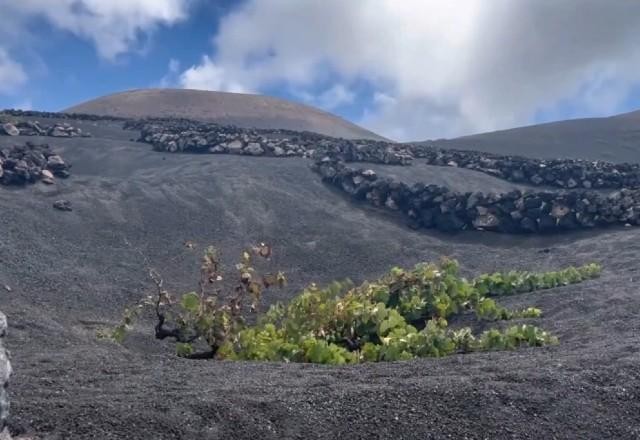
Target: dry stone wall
{"type": "Point", "coordinates": [188, 136]}
{"type": "Point", "coordinates": [432, 206]}
{"type": "Point", "coordinates": [29, 128]}
{"type": "Point", "coordinates": [576, 206]}
{"type": "Point", "coordinates": [562, 173]}
{"type": "Point", "coordinates": [22, 164]}
{"type": "Point", "coordinates": [57, 115]}
{"type": "Point", "coordinates": [437, 207]}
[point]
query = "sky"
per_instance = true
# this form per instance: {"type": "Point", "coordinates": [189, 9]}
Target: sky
{"type": "Point", "coordinates": [409, 70]}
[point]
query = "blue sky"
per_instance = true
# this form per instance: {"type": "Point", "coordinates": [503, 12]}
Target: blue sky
{"type": "Point", "coordinates": [409, 70]}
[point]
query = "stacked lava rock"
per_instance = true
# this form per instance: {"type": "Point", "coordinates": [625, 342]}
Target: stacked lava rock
{"type": "Point", "coordinates": [46, 115]}
{"type": "Point", "coordinates": [29, 163]}
{"type": "Point", "coordinates": [562, 173]}
{"type": "Point", "coordinates": [28, 128]}
{"type": "Point", "coordinates": [5, 373]}
{"type": "Point", "coordinates": [433, 206]}
{"type": "Point", "coordinates": [178, 135]}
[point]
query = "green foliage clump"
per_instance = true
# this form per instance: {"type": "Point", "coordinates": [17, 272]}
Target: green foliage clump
{"type": "Point", "coordinates": [403, 315]}
{"type": "Point", "coordinates": [509, 283]}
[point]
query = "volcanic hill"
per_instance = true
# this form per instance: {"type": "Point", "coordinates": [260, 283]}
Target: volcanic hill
{"type": "Point", "coordinates": [614, 138]}
{"type": "Point", "coordinates": [242, 110]}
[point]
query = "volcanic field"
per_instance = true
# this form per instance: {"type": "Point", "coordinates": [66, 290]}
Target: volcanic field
{"type": "Point", "coordinates": [133, 193]}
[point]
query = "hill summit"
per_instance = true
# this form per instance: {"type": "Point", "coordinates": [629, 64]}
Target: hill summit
{"type": "Point", "coordinates": [239, 109]}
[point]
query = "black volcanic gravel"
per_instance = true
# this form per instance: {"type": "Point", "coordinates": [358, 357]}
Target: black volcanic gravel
{"type": "Point", "coordinates": [72, 272]}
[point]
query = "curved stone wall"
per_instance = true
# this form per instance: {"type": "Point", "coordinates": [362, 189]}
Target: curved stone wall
{"type": "Point", "coordinates": [562, 173]}
{"type": "Point", "coordinates": [437, 207]}
{"type": "Point", "coordinates": [193, 137]}
{"type": "Point", "coordinates": [189, 136]}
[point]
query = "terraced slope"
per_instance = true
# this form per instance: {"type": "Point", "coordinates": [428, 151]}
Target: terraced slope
{"type": "Point", "coordinates": [71, 272]}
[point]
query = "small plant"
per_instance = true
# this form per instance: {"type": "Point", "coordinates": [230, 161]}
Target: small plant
{"type": "Point", "coordinates": [403, 315]}
{"type": "Point", "coordinates": [509, 283]}
{"type": "Point", "coordinates": [210, 314]}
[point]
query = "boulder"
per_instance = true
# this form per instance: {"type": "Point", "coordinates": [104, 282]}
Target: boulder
{"type": "Point", "coordinates": [217, 149]}
{"type": "Point", "coordinates": [57, 131]}
{"type": "Point", "coordinates": [47, 177]}
{"type": "Point", "coordinates": [528, 225]}
{"type": "Point", "coordinates": [536, 179]}
{"type": "Point", "coordinates": [62, 205]}
{"type": "Point", "coordinates": [10, 129]}
{"type": "Point", "coordinates": [235, 147]}
{"type": "Point", "coordinates": [391, 204]}
{"type": "Point", "coordinates": [369, 174]}
{"type": "Point", "coordinates": [560, 210]}
{"type": "Point", "coordinates": [254, 149]}
{"type": "Point", "coordinates": [486, 221]}
{"type": "Point", "coordinates": [517, 175]}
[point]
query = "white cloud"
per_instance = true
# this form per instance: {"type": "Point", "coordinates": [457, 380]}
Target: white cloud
{"type": "Point", "coordinates": [329, 99]}
{"type": "Point", "coordinates": [335, 96]}
{"type": "Point", "coordinates": [439, 68]}
{"type": "Point", "coordinates": [114, 26]}
{"type": "Point", "coordinates": [209, 76]}
{"type": "Point", "coordinates": [12, 75]}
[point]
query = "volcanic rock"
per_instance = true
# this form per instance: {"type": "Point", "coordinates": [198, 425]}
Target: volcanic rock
{"type": "Point", "coordinates": [10, 129]}
{"type": "Point", "coordinates": [62, 205]}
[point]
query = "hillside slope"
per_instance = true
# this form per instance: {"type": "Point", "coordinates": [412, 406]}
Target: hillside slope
{"type": "Point", "coordinates": [615, 138]}
{"type": "Point", "coordinates": [242, 110]}
{"type": "Point", "coordinates": [70, 273]}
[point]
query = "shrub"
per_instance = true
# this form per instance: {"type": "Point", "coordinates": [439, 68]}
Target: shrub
{"type": "Point", "coordinates": [403, 315]}
{"type": "Point", "coordinates": [208, 315]}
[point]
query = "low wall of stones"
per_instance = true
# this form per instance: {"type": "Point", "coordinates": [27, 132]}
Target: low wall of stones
{"type": "Point", "coordinates": [437, 207]}
{"type": "Point", "coordinates": [192, 137]}
{"type": "Point", "coordinates": [58, 115]}
{"type": "Point", "coordinates": [562, 173]}
{"type": "Point", "coordinates": [29, 128]}
{"type": "Point", "coordinates": [5, 373]}
{"type": "Point", "coordinates": [29, 163]}
{"type": "Point", "coordinates": [173, 135]}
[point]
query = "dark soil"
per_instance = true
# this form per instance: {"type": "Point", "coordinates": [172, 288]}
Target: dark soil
{"type": "Point", "coordinates": [72, 272]}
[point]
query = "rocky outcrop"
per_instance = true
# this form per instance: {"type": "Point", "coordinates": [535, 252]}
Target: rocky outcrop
{"type": "Point", "coordinates": [437, 207]}
{"type": "Point", "coordinates": [33, 128]}
{"type": "Point", "coordinates": [29, 163]}
{"type": "Point", "coordinates": [562, 173]}
{"type": "Point", "coordinates": [5, 373]}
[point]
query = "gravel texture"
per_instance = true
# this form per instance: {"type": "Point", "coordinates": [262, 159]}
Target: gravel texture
{"type": "Point", "coordinates": [63, 275]}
